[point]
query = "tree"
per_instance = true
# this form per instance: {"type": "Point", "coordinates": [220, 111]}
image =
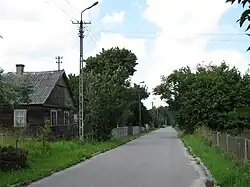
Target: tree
{"type": "Point", "coordinates": [74, 87]}
{"type": "Point", "coordinates": [206, 97]}
{"type": "Point", "coordinates": [2, 94]}
{"type": "Point", "coordinates": [107, 76]}
{"type": "Point", "coordinates": [133, 105]}
{"type": "Point", "coordinates": [14, 95]}
{"type": "Point", "coordinates": [110, 99]}
{"type": "Point", "coordinates": [245, 15]}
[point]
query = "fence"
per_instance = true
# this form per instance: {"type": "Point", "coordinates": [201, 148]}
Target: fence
{"type": "Point", "coordinates": [125, 131]}
{"type": "Point", "coordinates": [117, 133]}
{"type": "Point", "coordinates": [237, 146]}
{"type": "Point", "coordinates": [3, 137]}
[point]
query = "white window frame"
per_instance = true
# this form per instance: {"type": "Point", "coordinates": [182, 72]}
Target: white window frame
{"type": "Point", "coordinates": [51, 111]}
{"type": "Point", "coordinates": [66, 112]}
{"type": "Point", "coordinates": [24, 116]}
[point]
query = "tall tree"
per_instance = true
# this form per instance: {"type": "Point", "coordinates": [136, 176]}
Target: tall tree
{"type": "Point", "coordinates": [14, 94]}
{"type": "Point", "coordinates": [74, 86]}
{"type": "Point", "coordinates": [2, 94]}
{"type": "Point", "coordinates": [133, 101]}
{"type": "Point", "coordinates": [108, 73]}
{"type": "Point", "coordinates": [206, 97]}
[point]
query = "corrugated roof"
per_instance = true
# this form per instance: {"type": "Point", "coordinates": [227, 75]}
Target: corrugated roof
{"type": "Point", "coordinates": [42, 82]}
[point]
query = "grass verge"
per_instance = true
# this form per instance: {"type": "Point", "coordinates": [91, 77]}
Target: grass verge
{"type": "Point", "coordinates": [56, 156]}
{"type": "Point", "coordinates": [226, 170]}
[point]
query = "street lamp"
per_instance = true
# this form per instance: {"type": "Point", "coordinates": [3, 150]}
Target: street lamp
{"type": "Point", "coordinates": [81, 99]}
{"type": "Point", "coordinates": [94, 4]}
{"type": "Point", "coordinates": [139, 100]}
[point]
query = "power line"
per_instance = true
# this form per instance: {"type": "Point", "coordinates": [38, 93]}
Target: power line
{"type": "Point", "coordinates": [71, 6]}
{"type": "Point", "coordinates": [152, 33]}
{"type": "Point", "coordinates": [153, 36]}
{"type": "Point", "coordinates": [62, 9]}
{"type": "Point", "coordinates": [196, 34]}
{"type": "Point", "coordinates": [93, 39]}
{"type": "Point", "coordinates": [222, 34]}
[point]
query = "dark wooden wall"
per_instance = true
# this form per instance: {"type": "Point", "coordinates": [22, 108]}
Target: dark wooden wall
{"type": "Point", "coordinates": [60, 96]}
{"type": "Point", "coordinates": [6, 117]}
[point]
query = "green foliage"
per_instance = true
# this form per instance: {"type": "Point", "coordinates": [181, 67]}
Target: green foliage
{"type": "Point", "coordinates": [206, 97]}
{"type": "Point", "coordinates": [133, 106]}
{"type": "Point", "coordinates": [45, 133]}
{"type": "Point", "coordinates": [14, 94]}
{"type": "Point", "coordinates": [74, 86]}
{"type": "Point", "coordinates": [226, 170]}
{"type": "Point", "coordinates": [3, 99]}
{"type": "Point", "coordinates": [110, 100]}
{"type": "Point", "coordinates": [61, 156]}
{"type": "Point", "coordinates": [245, 16]}
{"type": "Point", "coordinates": [12, 158]}
{"type": "Point", "coordinates": [106, 89]}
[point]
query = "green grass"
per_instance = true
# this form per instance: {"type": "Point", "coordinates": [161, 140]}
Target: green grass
{"type": "Point", "coordinates": [224, 168]}
{"type": "Point", "coordinates": [56, 156]}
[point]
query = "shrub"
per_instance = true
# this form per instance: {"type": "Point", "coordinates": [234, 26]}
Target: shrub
{"type": "Point", "coordinates": [46, 132]}
{"type": "Point", "coordinates": [12, 158]}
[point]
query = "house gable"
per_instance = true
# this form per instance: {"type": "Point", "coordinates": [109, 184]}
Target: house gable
{"type": "Point", "coordinates": [61, 95]}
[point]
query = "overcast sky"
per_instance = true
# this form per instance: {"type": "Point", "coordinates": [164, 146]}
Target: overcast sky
{"type": "Point", "coordinates": [164, 34]}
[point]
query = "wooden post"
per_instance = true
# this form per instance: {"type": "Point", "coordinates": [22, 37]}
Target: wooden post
{"type": "Point", "coordinates": [218, 139]}
{"type": "Point", "coordinates": [227, 146]}
{"type": "Point", "coordinates": [238, 150]}
{"type": "Point", "coordinates": [245, 151]}
{"type": "Point", "coordinates": [2, 137]}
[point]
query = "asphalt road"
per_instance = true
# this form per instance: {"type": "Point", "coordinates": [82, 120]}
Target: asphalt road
{"type": "Point", "coordinates": [154, 160]}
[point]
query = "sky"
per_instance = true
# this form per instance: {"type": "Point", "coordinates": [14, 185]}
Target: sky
{"type": "Point", "coordinates": [165, 35]}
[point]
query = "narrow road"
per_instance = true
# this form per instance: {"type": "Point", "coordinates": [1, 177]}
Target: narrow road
{"type": "Point", "coordinates": [155, 160]}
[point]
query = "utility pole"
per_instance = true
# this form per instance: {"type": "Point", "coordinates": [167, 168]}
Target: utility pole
{"type": "Point", "coordinates": [153, 112]}
{"type": "Point", "coordinates": [139, 102]}
{"type": "Point", "coordinates": [139, 97]}
{"type": "Point", "coordinates": [59, 58]}
{"type": "Point", "coordinates": [81, 99]}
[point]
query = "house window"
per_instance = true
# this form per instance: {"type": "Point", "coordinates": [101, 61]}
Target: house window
{"type": "Point", "coordinates": [20, 117]}
{"type": "Point", "coordinates": [66, 118]}
{"type": "Point", "coordinates": [53, 117]}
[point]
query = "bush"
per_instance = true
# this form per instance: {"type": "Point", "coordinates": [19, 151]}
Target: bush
{"type": "Point", "coordinates": [12, 158]}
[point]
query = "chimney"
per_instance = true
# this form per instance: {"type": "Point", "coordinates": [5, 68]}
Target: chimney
{"type": "Point", "coordinates": [19, 69]}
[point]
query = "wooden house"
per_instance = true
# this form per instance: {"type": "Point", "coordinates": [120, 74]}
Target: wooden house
{"type": "Point", "coordinates": [51, 100]}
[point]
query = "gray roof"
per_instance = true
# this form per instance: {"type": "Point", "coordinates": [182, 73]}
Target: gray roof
{"type": "Point", "coordinates": [42, 82]}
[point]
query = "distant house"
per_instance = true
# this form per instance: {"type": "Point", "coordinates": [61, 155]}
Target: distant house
{"type": "Point", "coordinates": [51, 100]}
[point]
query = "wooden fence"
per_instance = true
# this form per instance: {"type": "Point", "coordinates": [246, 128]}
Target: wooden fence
{"type": "Point", "coordinates": [237, 146]}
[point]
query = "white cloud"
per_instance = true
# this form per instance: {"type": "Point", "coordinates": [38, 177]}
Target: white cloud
{"type": "Point", "coordinates": [108, 40]}
{"type": "Point", "coordinates": [178, 44]}
{"type": "Point", "coordinates": [116, 17]}
{"type": "Point", "coordinates": [35, 32]}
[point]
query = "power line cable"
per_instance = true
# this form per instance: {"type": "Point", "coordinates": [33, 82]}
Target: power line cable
{"type": "Point", "coordinates": [71, 6]}
{"type": "Point", "coordinates": [153, 36]}
{"type": "Point", "coordinates": [91, 36]}
{"type": "Point", "coordinates": [62, 9]}
{"type": "Point", "coordinates": [198, 34]}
